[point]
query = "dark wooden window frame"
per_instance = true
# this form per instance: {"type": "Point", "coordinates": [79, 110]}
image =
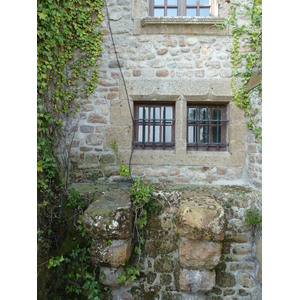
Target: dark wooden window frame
{"type": "Point", "coordinates": [207, 124]}
{"type": "Point", "coordinates": [162, 123]}
{"type": "Point", "coordinates": [181, 7]}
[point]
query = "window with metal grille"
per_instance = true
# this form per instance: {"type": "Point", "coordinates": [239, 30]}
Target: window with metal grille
{"type": "Point", "coordinates": [170, 8]}
{"type": "Point", "coordinates": [207, 127]}
{"type": "Point", "coordinates": [154, 126]}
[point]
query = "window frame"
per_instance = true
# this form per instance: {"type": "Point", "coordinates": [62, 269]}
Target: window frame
{"type": "Point", "coordinates": [181, 8]}
{"type": "Point", "coordinates": [209, 123]}
{"type": "Point", "coordinates": [161, 123]}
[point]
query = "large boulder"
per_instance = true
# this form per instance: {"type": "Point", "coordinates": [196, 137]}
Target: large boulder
{"type": "Point", "coordinates": [200, 255]}
{"type": "Point", "coordinates": [195, 281]}
{"type": "Point", "coordinates": [201, 218]}
{"type": "Point", "coordinates": [110, 216]}
{"type": "Point", "coordinates": [112, 254]}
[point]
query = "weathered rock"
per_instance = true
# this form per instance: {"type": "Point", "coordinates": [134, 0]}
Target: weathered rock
{"type": "Point", "coordinates": [201, 219]}
{"type": "Point", "coordinates": [111, 253]}
{"type": "Point", "coordinates": [246, 280]}
{"type": "Point", "coordinates": [199, 254]}
{"type": "Point", "coordinates": [109, 217]}
{"type": "Point", "coordinates": [110, 275]}
{"type": "Point", "coordinates": [195, 280]}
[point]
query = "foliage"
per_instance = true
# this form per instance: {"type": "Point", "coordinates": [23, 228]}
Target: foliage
{"type": "Point", "coordinates": [143, 204]}
{"type": "Point", "coordinates": [129, 274]}
{"type": "Point", "coordinates": [114, 147]}
{"type": "Point", "coordinates": [253, 217]}
{"type": "Point", "coordinates": [245, 62]}
{"type": "Point", "coordinates": [69, 43]}
{"type": "Point", "coordinates": [124, 171]}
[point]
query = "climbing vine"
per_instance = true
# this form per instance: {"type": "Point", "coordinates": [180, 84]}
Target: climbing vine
{"type": "Point", "coordinates": [68, 46]}
{"type": "Point", "coordinates": [245, 21]}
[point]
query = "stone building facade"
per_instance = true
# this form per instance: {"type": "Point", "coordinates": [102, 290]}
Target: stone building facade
{"type": "Point", "coordinates": [167, 61]}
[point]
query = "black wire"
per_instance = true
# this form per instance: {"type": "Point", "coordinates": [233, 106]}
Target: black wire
{"type": "Point", "coordinates": [131, 114]}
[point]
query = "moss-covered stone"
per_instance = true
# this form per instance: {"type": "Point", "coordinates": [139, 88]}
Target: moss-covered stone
{"type": "Point", "coordinates": [165, 279]}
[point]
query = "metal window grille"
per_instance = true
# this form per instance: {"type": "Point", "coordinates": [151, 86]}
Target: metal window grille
{"type": "Point", "coordinates": [160, 8]}
{"type": "Point", "coordinates": [154, 126]}
{"type": "Point", "coordinates": [207, 127]}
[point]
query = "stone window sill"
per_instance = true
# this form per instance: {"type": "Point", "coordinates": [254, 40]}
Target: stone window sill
{"type": "Point", "coordinates": [179, 25]}
{"type": "Point", "coordinates": [180, 21]}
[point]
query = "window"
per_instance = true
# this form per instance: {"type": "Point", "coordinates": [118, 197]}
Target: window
{"type": "Point", "coordinates": [206, 127]}
{"type": "Point", "coordinates": [171, 8]}
{"type": "Point", "coordinates": [154, 126]}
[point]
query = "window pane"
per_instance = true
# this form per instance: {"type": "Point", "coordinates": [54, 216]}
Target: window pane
{"type": "Point", "coordinates": [191, 12]}
{"type": "Point", "coordinates": [159, 12]}
{"type": "Point", "coordinates": [168, 112]}
{"type": "Point", "coordinates": [157, 134]}
{"type": "Point", "coordinates": [157, 113]}
{"type": "Point", "coordinates": [172, 2]}
{"type": "Point", "coordinates": [204, 115]}
{"type": "Point", "coordinates": [192, 114]}
{"type": "Point", "coordinates": [172, 12]}
{"type": "Point", "coordinates": [192, 134]}
{"type": "Point", "coordinates": [204, 134]}
{"type": "Point", "coordinates": [216, 137]}
{"type": "Point", "coordinates": [191, 2]}
{"type": "Point", "coordinates": [216, 114]}
{"type": "Point", "coordinates": [168, 134]}
{"type": "Point", "coordinates": [204, 2]}
{"type": "Point", "coordinates": [159, 2]}
{"type": "Point", "coordinates": [204, 12]}
{"type": "Point", "coordinates": [140, 137]}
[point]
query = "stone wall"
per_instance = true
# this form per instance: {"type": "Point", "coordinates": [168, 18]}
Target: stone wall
{"type": "Point", "coordinates": [198, 247]}
{"type": "Point", "coordinates": [254, 147]}
{"type": "Point", "coordinates": [178, 63]}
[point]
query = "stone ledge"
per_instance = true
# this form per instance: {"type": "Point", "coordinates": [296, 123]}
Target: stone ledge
{"type": "Point", "coordinates": [180, 20]}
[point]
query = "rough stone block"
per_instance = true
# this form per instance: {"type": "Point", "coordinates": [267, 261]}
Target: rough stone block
{"type": "Point", "coordinates": [199, 254]}
{"type": "Point", "coordinates": [195, 280]}
{"type": "Point", "coordinates": [109, 217]}
{"type": "Point", "coordinates": [112, 253]}
{"type": "Point", "coordinates": [110, 275]}
{"type": "Point", "coordinates": [201, 219]}
{"type": "Point", "coordinates": [246, 280]}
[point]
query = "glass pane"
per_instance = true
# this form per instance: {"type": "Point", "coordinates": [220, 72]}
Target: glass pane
{"type": "Point", "coordinates": [191, 2]}
{"type": "Point", "coordinates": [204, 12]}
{"type": "Point", "coordinates": [159, 2]}
{"type": "Point", "coordinates": [216, 113]}
{"type": "Point", "coordinates": [204, 134]}
{"type": "Point", "coordinates": [157, 134]}
{"type": "Point", "coordinates": [192, 134]}
{"type": "Point", "coordinates": [159, 12]}
{"type": "Point", "coordinates": [169, 113]}
{"type": "Point", "coordinates": [151, 112]}
{"type": "Point", "coordinates": [140, 137]}
{"type": "Point", "coordinates": [172, 2]}
{"type": "Point", "coordinates": [192, 114]}
{"type": "Point", "coordinates": [204, 2]}
{"type": "Point", "coordinates": [168, 134]}
{"type": "Point", "coordinates": [191, 12]}
{"type": "Point", "coordinates": [157, 113]}
{"type": "Point", "coordinates": [216, 136]}
{"type": "Point", "coordinates": [204, 115]}
{"type": "Point", "coordinates": [146, 113]}
{"type": "Point", "coordinates": [172, 12]}
{"type": "Point", "coordinates": [146, 133]}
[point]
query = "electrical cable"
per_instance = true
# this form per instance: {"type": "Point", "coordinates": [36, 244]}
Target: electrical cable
{"type": "Point", "coordinates": [128, 101]}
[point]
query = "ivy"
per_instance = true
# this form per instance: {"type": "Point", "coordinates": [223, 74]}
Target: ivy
{"type": "Point", "coordinates": [69, 42]}
{"type": "Point", "coordinates": [245, 63]}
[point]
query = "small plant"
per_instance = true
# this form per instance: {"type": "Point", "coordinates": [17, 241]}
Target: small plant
{"type": "Point", "coordinates": [253, 217]}
{"type": "Point", "coordinates": [229, 202]}
{"type": "Point", "coordinates": [114, 147]}
{"type": "Point", "coordinates": [124, 171]}
{"type": "Point", "coordinates": [129, 274]}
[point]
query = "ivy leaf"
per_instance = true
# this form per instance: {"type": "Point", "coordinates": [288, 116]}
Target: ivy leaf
{"type": "Point", "coordinates": [42, 16]}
